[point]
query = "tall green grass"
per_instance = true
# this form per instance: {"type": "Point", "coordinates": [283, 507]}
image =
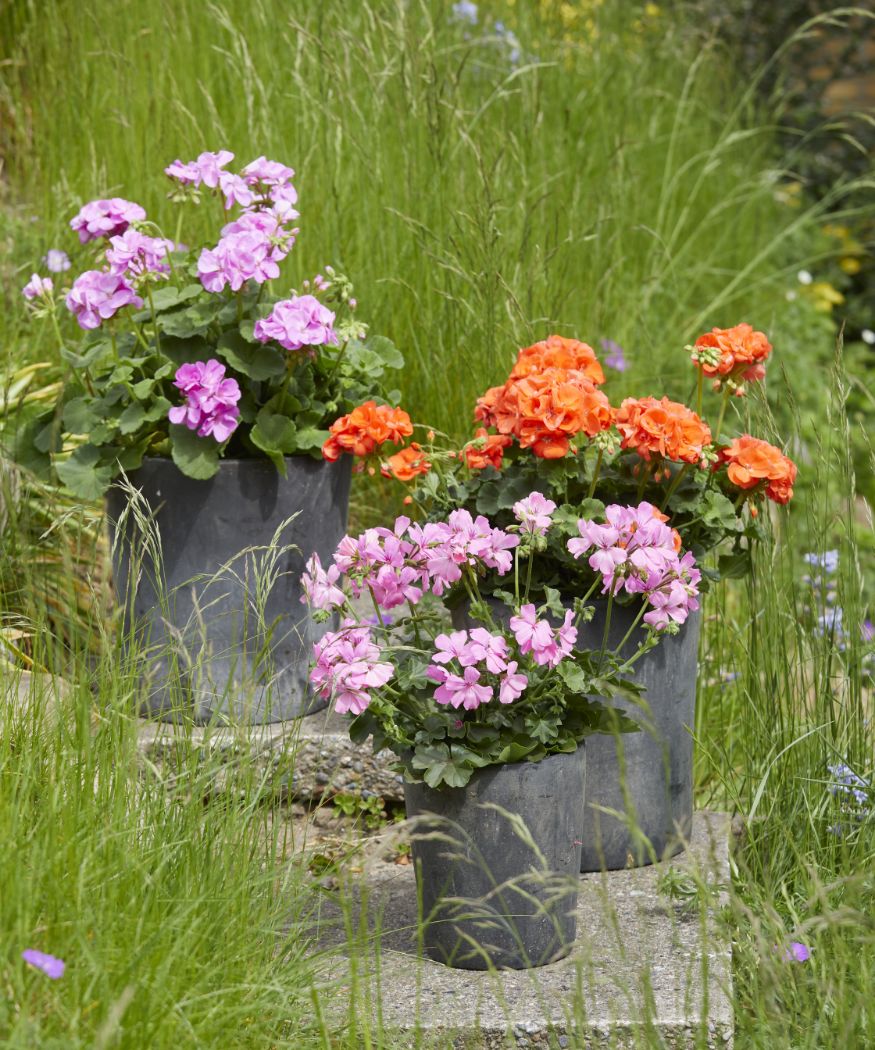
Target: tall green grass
{"type": "Point", "coordinates": [612, 185]}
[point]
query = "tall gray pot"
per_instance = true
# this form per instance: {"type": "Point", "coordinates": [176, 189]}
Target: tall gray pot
{"type": "Point", "coordinates": [646, 776]}
{"type": "Point", "coordinates": [497, 863]}
{"type": "Point", "coordinates": [240, 641]}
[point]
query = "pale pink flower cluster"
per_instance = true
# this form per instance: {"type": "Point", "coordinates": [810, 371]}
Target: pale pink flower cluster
{"type": "Point", "coordinates": [211, 400]}
{"type": "Point", "coordinates": [250, 248]}
{"type": "Point", "coordinates": [320, 585]}
{"type": "Point", "coordinates": [134, 254]}
{"type": "Point", "coordinates": [264, 184]}
{"type": "Point", "coordinates": [399, 564]}
{"type": "Point", "coordinates": [106, 218]}
{"type": "Point", "coordinates": [348, 666]}
{"type": "Point", "coordinates": [37, 287]}
{"type": "Point", "coordinates": [548, 645]}
{"type": "Point", "coordinates": [96, 296]}
{"type": "Point", "coordinates": [461, 682]}
{"type": "Point", "coordinates": [637, 552]}
{"type": "Point", "coordinates": [296, 323]}
{"type": "Point", "coordinates": [534, 513]}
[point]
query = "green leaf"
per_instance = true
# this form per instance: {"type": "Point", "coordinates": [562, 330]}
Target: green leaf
{"type": "Point", "coordinates": [90, 354]}
{"type": "Point", "coordinates": [157, 410]}
{"type": "Point", "coordinates": [274, 433]}
{"type": "Point", "coordinates": [553, 601]}
{"type": "Point", "coordinates": [191, 320]}
{"type": "Point", "coordinates": [195, 456]}
{"type": "Point", "coordinates": [574, 677]}
{"type": "Point", "coordinates": [734, 566]}
{"type": "Point", "coordinates": [182, 351]}
{"type": "Point", "coordinates": [257, 362]}
{"type": "Point", "coordinates": [80, 415]}
{"type": "Point", "coordinates": [84, 473]}
{"type": "Point", "coordinates": [310, 438]}
{"type": "Point", "coordinates": [131, 418]}
{"type": "Point", "coordinates": [439, 767]}
{"type": "Point", "coordinates": [165, 299]}
{"type": "Point", "coordinates": [386, 350]}
{"type": "Point", "coordinates": [143, 389]}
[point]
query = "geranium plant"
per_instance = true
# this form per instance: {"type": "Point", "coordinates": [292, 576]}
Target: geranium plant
{"type": "Point", "coordinates": [550, 427]}
{"type": "Point", "coordinates": [198, 353]}
{"type": "Point", "coordinates": [517, 683]}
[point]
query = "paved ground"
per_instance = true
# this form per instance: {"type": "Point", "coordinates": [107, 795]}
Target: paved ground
{"type": "Point", "coordinates": [639, 955]}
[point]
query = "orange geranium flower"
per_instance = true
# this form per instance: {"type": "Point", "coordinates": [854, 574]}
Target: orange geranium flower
{"type": "Point", "coordinates": [754, 463]}
{"type": "Point", "coordinates": [489, 453]}
{"type": "Point", "coordinates": [663, 428]}
{"type": "Point", "coordinates": [544, 410]}
{"type": "Point", "coordinates": [407, 464]}
{"type": "Point", "coordinates": [366, 427]}
{"type": "Point", "coordinates": [742, 352]}
{"type": "Point", "coordinates": [558, 352]}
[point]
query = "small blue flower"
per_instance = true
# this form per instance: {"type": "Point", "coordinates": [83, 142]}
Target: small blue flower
{"type": "Point", "coordinates": [616, 358]}
{"type": "Point", "coordinates": [465, 11]}
{"type": "Point", "coordinates": [828, 561]}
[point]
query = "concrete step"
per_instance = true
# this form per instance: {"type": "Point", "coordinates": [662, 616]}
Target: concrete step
{"type": "Point", "coordinates": [646, 970]}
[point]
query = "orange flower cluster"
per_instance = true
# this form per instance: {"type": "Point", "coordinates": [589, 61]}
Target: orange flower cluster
{"type": "Point", "coordinates": [557, 352]}
{"type": "Point", "coordinates": [737, 352]}
{"type": "Point", "coordinates": [544, 410]}
{"type": "Point", "coordinates": [753, 462]}
{"type": "Point", "coordinates": [663, 428]}
{"type": "Point", "coordinates": [488, 452]}
{"type": "Point", "coordinates": [366, 427]}
{"type": "Point", "coordinates": [407, 464]}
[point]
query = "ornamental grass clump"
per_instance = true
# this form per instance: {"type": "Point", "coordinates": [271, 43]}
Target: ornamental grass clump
{"type": "Point", "coordinates": [550, 427]}
{"type": "Point", "coordinates": [517, 682]}
{"type": "Point", "coordinates": [195, 353]}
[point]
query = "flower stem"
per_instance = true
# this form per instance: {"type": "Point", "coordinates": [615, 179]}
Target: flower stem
{"type": "Point", "coordinates": [607, 629]}
{"type": "Point", "coordinates": [635, 623]}
{"type": "Point", "coordinates": [595, 474]}
{"type": "Point", "coordinates": [727, 393]}
{"type": "Point", "coordinates": [676, 480]}
{"type": "Point", "coordinates": [529, 573]}
{"type": "Point", "coordinates": [700, 386]}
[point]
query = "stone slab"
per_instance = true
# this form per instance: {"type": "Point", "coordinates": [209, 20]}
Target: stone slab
{"type": "Point", "coordinates": [646, 971]}
{"type": "Point", "coordinates": [310, 757]}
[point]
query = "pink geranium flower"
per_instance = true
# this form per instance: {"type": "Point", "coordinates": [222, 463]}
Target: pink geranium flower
{"type": "Point", "coordinates": [211, 400]}
{"type": "Point", "coordinates": [298, 323]}
{"type": "Point", "coordinates": [534, 512]}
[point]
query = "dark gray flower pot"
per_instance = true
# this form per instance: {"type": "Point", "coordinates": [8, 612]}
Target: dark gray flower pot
{"type": "Point", "coordinates": [647, 777]}
{"type": "Point", "coordinates": [226, 632]}
{"type": "Point", "coordinates": [497, 863]}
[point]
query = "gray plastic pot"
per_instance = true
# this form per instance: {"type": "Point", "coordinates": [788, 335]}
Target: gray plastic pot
{"type": "Point", "coordinates": [497, 863]}
{"type": "Point", "coordinates": [647, 777]}
{"type": "Point", "coordinates": [225, 632]}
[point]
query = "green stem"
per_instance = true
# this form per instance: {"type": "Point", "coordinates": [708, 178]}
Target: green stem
{"type": "Point", "coordinates": [152, 312]}
{"type": "Point", "coordinates": [114, 345]}
{"type": "Point", "coordinates": [635, 623]}
{"type": "Point", "coordinates": [240, 306]}
{"type": "Point", "coordinates": [676, 480]}
{"type": "Point", "coordinates": [376, 606]}
{"type": "Point", "coordinates": [529, 574]}
{"type": "Point", "coordinates": [700, 386]}
{"type": "Point", "coordinates": [647, 469]}
{"type": "Point", "coordinates": [727, 393]}
{"type": "Point", "coordinates": [516, 575]}
{"type": "Point", "coordinates": [607, 629]}
{"type": "Point", "coordinates": [595, 474]}
{"type": "Point", "coordinates": [415, 619]}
